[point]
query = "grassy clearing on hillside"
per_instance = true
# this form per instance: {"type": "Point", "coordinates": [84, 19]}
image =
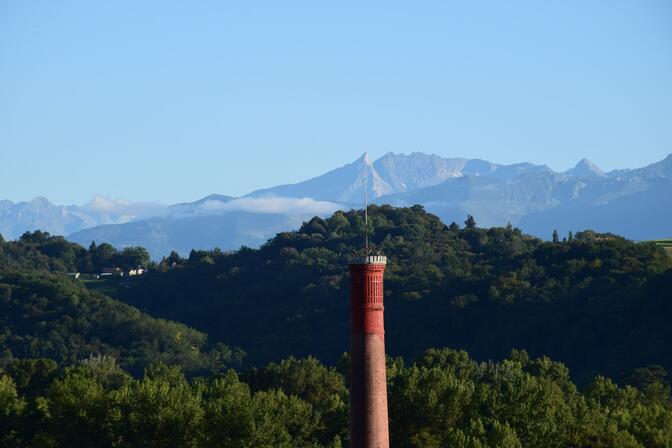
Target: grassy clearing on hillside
{"type": "Point", "coordinates": [107, 286]}
{"type": "Point", "coordinates": [666, 244]}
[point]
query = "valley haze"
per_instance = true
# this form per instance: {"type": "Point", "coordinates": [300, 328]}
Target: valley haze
{"type": "Point", "coordinates": [635, 203]}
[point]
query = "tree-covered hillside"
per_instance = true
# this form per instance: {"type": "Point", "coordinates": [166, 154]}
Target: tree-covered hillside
{"type": "Point", "coordinates": [599, 303]}
{"type": "Point", "coordinates": [71, 359]}
{"type": "Point", "coordinates": [47, 315]}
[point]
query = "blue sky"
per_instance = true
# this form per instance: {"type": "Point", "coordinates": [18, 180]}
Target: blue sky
{"type": "Point", "coordinates": [170, 101]}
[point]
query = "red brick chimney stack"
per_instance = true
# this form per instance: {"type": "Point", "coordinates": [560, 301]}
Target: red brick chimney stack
{"type": "Point", "coordinates": [368, 382]}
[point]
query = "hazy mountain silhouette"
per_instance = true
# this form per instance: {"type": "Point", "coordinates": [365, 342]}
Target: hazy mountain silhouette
{"type": "Point", "coordinates": [40, 214]}
{"type": "Point", "coordinates": [632, 202]}
{"type": "Point", "coordinates": [161, 235]}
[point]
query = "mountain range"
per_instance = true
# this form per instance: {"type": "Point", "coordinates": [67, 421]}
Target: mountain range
{"type": "Point", "coordinates": [636, 203]}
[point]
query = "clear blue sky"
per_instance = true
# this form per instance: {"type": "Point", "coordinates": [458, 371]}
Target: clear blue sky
{"type": "Point", "coordinates": [170, 101]}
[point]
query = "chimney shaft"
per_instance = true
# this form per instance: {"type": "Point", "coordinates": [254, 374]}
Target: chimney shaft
{"type": "Point", "coordinates": [368, 384]}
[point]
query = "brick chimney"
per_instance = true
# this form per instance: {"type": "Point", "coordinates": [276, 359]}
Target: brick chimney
{"type": "Point", "coordinates": [368, 382]}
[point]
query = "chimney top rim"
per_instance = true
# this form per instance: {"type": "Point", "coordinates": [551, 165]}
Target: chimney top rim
{"type": "Point", "coordinates": [370, 259]}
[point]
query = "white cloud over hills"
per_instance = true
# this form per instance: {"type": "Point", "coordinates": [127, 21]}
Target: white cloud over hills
{"type": "Point", "coordinates": [272, 204]}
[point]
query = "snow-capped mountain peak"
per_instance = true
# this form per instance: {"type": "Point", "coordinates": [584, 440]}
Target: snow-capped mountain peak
{"type": "Point", "coordinates": [586, 168]}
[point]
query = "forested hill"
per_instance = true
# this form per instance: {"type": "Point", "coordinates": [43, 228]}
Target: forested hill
{"type": "Point", "coordinates": [598, 303]}
{"type": "Point", "coordinates": [46, 314]}
{"type": "Point", "coordinates": [601, 298]}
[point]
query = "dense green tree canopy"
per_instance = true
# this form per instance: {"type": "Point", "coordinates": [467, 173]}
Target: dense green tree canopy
{"type": "Point", "coordinates": [49, 315]}
{"type": "Point", "coordinates": [597, 302]}
{"type": "Point", "coordinates": [442, 399]}
{"type": "Point", "coordinates": [39, 250]}
{"type": "Point", "coordinates": [592, 303]}
{"type": "Point", "coordinates": [72, 359]}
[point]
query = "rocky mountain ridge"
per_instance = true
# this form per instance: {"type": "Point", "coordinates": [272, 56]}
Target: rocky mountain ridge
{"type": "Point", "coordinates": [634, 202]}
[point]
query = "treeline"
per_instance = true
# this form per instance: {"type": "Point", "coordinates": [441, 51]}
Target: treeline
{"type": "Point", "coordinates": [42, 251]}
{"type": "Point", "coordinates": [442, 399]}
{"type": "Point", "coordinates": [598, 303]}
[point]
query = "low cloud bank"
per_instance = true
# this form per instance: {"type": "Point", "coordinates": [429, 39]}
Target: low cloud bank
{"type": "Point", "coordinates": [101, 204]}
{"type": "Point", "coordinates": [120, 208]}
{"type": "Point", "coordinates": [272, 204]}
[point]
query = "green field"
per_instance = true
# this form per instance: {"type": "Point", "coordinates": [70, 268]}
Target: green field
{"type": "Point", "coordinates": [107, 286]}
{"type": "Point", "coordinates": [667, 244]}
